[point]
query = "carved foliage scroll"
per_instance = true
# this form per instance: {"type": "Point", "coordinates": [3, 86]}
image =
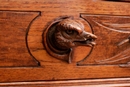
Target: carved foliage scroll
{"type": "Point", "coordinates": [111, 31]}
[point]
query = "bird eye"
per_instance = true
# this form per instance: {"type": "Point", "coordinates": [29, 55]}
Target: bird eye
{"type": "Point", "coordinates": [70, 32]}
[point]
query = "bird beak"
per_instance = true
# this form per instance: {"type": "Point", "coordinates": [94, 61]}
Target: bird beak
{"type": "Point", "coordinates": [87, 39]}
{"type": "Point", "coordinates": [90, 38]}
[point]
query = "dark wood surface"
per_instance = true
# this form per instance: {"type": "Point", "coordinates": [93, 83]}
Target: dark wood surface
{"type": "Point", "coordinates": [23, 57]}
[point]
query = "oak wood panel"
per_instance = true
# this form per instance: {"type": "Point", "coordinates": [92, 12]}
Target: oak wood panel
{"type": "Point", "coordinates": [111, 30]}
{"type": "Point", "coordinates": [51, 68]}
{"type": "Point", "coordinates": [13, 48]}
{"type": "Point", "coordinates": [61, 72]}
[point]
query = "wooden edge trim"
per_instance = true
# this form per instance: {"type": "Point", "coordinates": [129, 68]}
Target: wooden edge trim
{"type": "Point", "coordinates": [120, 82]}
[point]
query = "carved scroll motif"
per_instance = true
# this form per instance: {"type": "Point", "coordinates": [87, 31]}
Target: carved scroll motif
{"type": "Point", "coordinates": [113, 45]}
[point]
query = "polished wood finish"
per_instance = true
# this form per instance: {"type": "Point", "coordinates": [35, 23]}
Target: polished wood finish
{"type": "Point", "coordinates": [13, 48]}
{"type": "Point", "coordinates": [120, 82]}
{"type": "Point", "coordinates": [65, 34]}
{"type": "Point", "coordinates": [111, 31]}
{"type": "Point", "coordinates": [46, 68]}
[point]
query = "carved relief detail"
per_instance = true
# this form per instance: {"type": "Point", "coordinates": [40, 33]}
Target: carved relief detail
{"type": "Point", "coordinates": [63, 35]}
{"type": "Point", "coordinates": [113, 45]}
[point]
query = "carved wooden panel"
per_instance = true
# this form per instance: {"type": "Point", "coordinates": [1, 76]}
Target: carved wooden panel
{"type": "Point", "coordinates": [29, 63]}
{"type": "Point", "coordinates": [14, 26]}
{"type": "Point", "coordinates": [37, 35]}
{"type": "Point", "coordinates": [111, 31]}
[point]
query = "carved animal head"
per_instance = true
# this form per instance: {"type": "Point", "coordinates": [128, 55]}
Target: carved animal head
{"type": "Point", "coordinates": [63, 35]}
{"type": "Point", "coordinates": [70, 33]}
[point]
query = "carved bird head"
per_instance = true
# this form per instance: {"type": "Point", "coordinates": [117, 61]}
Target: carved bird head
{"type": "Point", "coordinates": [62, 36]}
{"type": "Point", "coordinates": [70, 33]}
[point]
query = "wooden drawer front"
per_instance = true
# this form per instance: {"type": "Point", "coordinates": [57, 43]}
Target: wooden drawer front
{"type": "Point", "coordinates": [23, 56]}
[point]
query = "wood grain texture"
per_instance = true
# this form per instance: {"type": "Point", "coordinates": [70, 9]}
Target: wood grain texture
{"type": "Point", "coordinates": [13, 29]}
{"type": "Point", "coordinates": [51, 69]}
{"type": "Point", "coordinates": [111, 30]}
{"type": "Point", "coordinates": [113, 82]}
